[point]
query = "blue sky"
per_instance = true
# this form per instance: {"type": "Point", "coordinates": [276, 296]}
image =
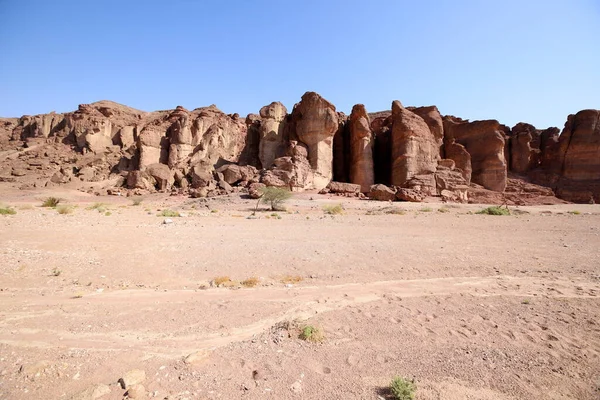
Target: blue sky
{"type": "Point", "coordinates": [526, 60]}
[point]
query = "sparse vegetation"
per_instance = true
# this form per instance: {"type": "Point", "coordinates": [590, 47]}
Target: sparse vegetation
{"type": "Point", "coordinates": [402, 389]}
{"type": "Point", "coordinates": [214, 211]}
{"type": "Point", "coordinates": [100, 207]}
{"type": "Point", "coordinates": [387, 210]}
{"type": "Point", "coordinates": [7, 211]}
{"type": "Point", "coordinates": [137, 201]}
{"type": "Point", "coordinates": [333, 209]}
{"type": "Point", "coordinates": [574, 212]}
{"type": "Point", "coordinates": [250, 282]}
{"type": "Point", "coordinates": [221, 280]}
{"type": "Point", "coordinates": [51, 202]}
{"type": "Point", "coordinates": [107, 214]}
{"type": "Point", "coordinates": [275, 197]}
{"type": "Point", "coordinates": [276, 216]}
{"type": "Point", "coordinates": [443, 209]}
{"type": "Point", "coordinates": [494, 210]}
{"type": "Point", "coordinates": [56, 272]}
{"type": "Point", "coordinates": [288, 279]}
{"type": "Point", "coordinates": [525, 301]}
{"type": "Point", "coordinates": [426, 209]}
{"type": "Point", "coordinates": [64, 209]}
{"type": "Point", "coordinates": [78, 295]}
{"type": "Point", "coordinates": [312, 334]}
{"type": "Point", "coordinates": [169, 213]}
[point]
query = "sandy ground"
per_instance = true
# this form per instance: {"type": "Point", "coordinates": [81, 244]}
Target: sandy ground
{"type": "Point", "coordinates": [469, 306]}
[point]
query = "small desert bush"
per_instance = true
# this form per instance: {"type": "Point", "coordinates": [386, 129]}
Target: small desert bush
{"type": "Point", "coordinates": [402, 389]}
{"type": "Point", "coordinates": [7, 211]}
{"type": "Point", "coordinates": [64, 209]}
{"type": "Point", "coordinates": [494, 210]}
{"type": "Point", "coordinates": [137, 201]}
{"type": "Point", "coordinates": [275, 197]}
{"type": "Point", "coordinates": [426, 209]}
{"type": "Point", "coordinates": [51, 202]}
{"type": "Point", "coordinates": [56, 272]}
{"type": "Point", "coordinates": [333, 209]}
{"type": "Point", "coordinates": [276, 216]}
{"type": "Point", "coordinates": [221, 280]}
{"type": "Point", "coordinates": [312, 334]}
{"type": "Point", "coordinates": [250, 282]}
{"type": "Point", "coordinates": [100, 207]}
{"type": "Point", "coordinates": [169, 213]}
{"type": "Point", "coordinates": [291, 279]}
{"type": "Point", "coordinates": [574, 212]}
{"type": "Point", "coordinates": [443, 209]}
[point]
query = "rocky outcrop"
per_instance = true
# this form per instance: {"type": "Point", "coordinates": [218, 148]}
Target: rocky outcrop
{"type": "Point", "coordinates": [415, 150]}
{"type": "Point", "coordinates": [576, 158]}
{"type": "Point", "coordinates": [315, 124]}
{"type": "Point", "coordinates": [273, 138]}
{"type": "Point", "coordinates": [412, 151]}
{"type": "Point", "coordinates": [361, 149]}
{"type": "Point", "coordinates": [484, 141]}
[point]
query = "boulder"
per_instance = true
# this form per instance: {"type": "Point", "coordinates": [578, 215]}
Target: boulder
{"type": "Point", "coordinates": [316, 122]}
{"type": "Point", "coordinates": [139, 180]}
{"type": "Point", "coordinates": [201, 176]}
{"type": "Point", "coordinates": [254, 190]}
{"type": "Point", "coordinates": [411, 195]}
{"type": "Point", "coordinates": [344, 188]}
{"type": "Point", "coordinates": [162, 174]}
{"type": "Point", "coordinates": [361, 149]}
{"type": "Point", "coordinates": [233, 173]}
{"type": "Point", "coordinates": [382, 193]}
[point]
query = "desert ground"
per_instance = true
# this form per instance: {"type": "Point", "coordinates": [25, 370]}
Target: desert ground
{"type": "Point", "coordinates": [470, 306]}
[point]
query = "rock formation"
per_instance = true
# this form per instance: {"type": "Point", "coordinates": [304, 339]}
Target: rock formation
{"type": "Point", "coordinates": [403, 154]}
{"type": "Point", "coordinates": [415, 150]}
{"type": "Point", "coordinates": [361, 149]}
{"type": "Point", "coordinates": [272, 133]}
{"type": "Point", "coordinates": [315, 123]}
{"type": "Point", "coordinates": [484, 141]}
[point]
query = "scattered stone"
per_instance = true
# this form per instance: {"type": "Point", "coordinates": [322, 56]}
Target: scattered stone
{"type": "Point", "coordinates": [197, 357]}
{"type": "Point", "coordinates": [132, 377]}
{"type": "Point", "coordinates": [136, 392]}
{"type": "Point", "coordinates": [93, 393]}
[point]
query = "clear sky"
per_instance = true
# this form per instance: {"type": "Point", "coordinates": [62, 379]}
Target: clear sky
{"type": "Point", "coordinates": [512, 60]}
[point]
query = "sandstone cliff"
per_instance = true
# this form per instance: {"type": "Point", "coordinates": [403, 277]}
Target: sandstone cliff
{"type": "Point", "coordinates": [405, 153]}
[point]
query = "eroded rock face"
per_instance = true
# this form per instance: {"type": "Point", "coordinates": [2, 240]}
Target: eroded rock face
{"type": "Point", "coordinates": [484, 141]}
{"type": "Point", "coordinates": [461, 157]}
{"type": "Point", "coordinates": [361, 149]}
{"type": "Point", "coordinates": [272, 133]}
{"type": "Point", "coordinates": [524, 148]}
{"type": "Point", "coordinates": [415, 150]}
{"type": "Point", "coordinates": [579, 156]}
{"type": "Point", "coordinates": [316, 122]}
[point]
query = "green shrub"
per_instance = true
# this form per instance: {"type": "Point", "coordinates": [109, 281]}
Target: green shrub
{"type": "Point", "coordinates": [402, 389]}
{"type": "Point", "coordinates": [275, 197]}
{"type": "Point", "coordinates": [169, 213]}
{"type": "Point", "coordinates": [574, 212]}
{"type": "Point", "coordinates": [312, 334]}
{"type": "Point", "coordinates": [51, 202]}
{"type": "Point", "coordinates": [443, 210]}
{"type": "Point", "coordinates": [426, 209]}
{"type": "Point", "coordinates": [494, 210]}
{"type": "Point", "coordinates": [333, 209]}
{"type": "Point", "coordinates": [7, 211]}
